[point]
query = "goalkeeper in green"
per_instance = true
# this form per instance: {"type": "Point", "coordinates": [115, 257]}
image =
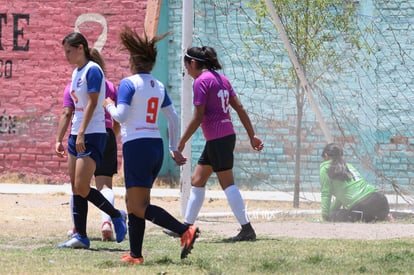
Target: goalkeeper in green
{"type": "Point", "coordinates": [345, 195]}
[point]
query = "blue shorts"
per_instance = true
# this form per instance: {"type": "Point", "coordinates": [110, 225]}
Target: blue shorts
{"type": "Point", "coordinates": [142, 161]}
{"type": "Point", "coordinates": [109, 163]}
{"type": "Point", "coordinates": [218, 153]}
{"type": "Point", "coordinates": [95, 146]}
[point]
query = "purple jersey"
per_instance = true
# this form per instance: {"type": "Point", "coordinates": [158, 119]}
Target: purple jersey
{"type": "Point", "coordinates": [213, 90]}
{"type": "Point", "coordinates": [67, 100]}
{"type": "Point", "coordinates": [111, 92]}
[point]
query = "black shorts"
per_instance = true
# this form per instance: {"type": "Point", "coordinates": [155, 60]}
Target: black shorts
{"type": "Point", "coordinates": [218, 153]}
{"type": "Point", "coordinates": [109, 163]}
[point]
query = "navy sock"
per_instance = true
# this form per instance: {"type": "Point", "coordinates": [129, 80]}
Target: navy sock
{"type": "Point", "coordinates": [136, 230]}
{"type": "Point", "coordinates": [160, 217]}
{"type": "Point", "coordinates": [102, 203]}
{"type": "Point", "coordinates": [80, 214]}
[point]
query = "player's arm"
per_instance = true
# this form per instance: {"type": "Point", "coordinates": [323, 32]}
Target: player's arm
{"type": "Point", "coordinates": [94, 78]}
{"type": "Point", "coordinates": [195, 122]}
{"type": "Point", "coordinates": [64, 120]}
{"type": "Point", "coordinates": [173, 128]}
{"type": "Point", "coordinates": [326, 195]}
{"type": "Point", "coordinates": [256, 142]}
{"type": "Point", "coordinates": [90, 108]}
{"type": "Point", "coordinates": [120, 112]}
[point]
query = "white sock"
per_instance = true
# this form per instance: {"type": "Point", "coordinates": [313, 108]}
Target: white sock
{"type": "Point", "coordinates": [195, 201]}
{"type": "Point", "coordinates": [236, 204]}
{"type": "Point", "coordinates": [108, 193]}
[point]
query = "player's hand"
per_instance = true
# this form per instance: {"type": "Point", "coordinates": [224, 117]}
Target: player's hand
{"type": "Point", "coordinates": [257, 143]}
{"type": "Point", "coordinates": [178, 158]}
{"type": "Point", "coordinates": [60, 149]}
{"type": "Point", "coordinates": [80, 143]}
{"type": "Point", "coordinates": [107, 101]}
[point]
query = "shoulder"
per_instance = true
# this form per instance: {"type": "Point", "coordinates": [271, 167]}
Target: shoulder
{"type": "Point", "coordinates": [325, 165]}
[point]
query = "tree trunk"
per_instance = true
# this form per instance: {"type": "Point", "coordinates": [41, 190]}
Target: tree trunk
{"type": "Point", "coordinates": [299, 104]}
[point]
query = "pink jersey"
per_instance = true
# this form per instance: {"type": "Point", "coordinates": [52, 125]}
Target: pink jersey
{"type": "Point", "coordinates": [111, 92]}
{"type": "Point", "coordinates": [213, 90]}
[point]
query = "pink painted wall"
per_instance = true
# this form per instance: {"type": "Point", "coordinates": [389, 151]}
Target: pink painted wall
{"type": "Point", "coordinates": [34, 72]}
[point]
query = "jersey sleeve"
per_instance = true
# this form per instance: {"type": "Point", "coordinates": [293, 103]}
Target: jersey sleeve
{"type": "Point", "coordinates": [111, 91]}
{"type": "Point", "coordinates": [94, 78]}
{"type": "Point", "coordinates": [326, 194]}
{"type": "Point", "coordinates": [167, 100]}
{"type": "Point", "coordinates": [67, 100]}
{"type": "Point", "coordinates": [200, 92]}
{"type": "Point", "coordinates": [125, 92]}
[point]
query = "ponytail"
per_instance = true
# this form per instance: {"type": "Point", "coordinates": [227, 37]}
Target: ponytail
{"type": "Point", "coordinates": [338, 170]}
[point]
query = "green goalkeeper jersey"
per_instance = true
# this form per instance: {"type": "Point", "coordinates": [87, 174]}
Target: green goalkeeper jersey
{"type": "Point", "coordinates": [345, 193]}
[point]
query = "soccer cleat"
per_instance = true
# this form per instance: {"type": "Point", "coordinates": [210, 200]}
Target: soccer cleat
{"type": "Point", "coordinates": [120, 226]}
{"type": "Point", "coordinates": [76, 242]}
{"type": "Point", "coordinates": [246, 234]}
{"type": "Point", "coordinates": [171, 233]}
{"type": "Point", "coordinates": [188, 239]}
{"type": "Point", "coordinates": [127, 258]}
{"type": "Point", "coordinates": [107, 233]}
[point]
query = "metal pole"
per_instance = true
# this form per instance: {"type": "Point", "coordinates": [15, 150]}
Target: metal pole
{"type": "Point", "coordinates": [186, 103]}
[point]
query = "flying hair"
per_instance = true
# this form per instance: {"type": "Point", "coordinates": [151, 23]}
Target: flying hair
{"type": "Point", "coordinates": [142, 49]}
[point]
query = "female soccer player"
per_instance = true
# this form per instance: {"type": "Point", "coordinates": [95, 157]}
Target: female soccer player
{"type": "Point", "coordinates": [213, 97]}
{"type": "Point", "coordinates": [109, 164]}
{"type": "Point", "coordinates": [355, 199]}
{"type": "Point", "coordinates": [87, 140]}
{"type": "Point", "coordinates": [141, 97]}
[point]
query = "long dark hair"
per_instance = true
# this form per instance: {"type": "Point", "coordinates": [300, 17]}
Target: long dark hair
{"type": "Point", "coordinates": [142, 49]}
{"type": "Point", "coordinates": [206, 57]}
{"type": "Point", "coordinates": [75, 39]}
{"type": "Point", "coordinates": [338, 169]}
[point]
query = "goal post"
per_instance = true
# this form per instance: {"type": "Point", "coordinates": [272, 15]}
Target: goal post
{"type": "Point", "coordinates": [186, 95]}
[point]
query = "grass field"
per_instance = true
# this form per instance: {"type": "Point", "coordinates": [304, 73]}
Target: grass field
{"type": "Point", "coordinates": [32, 226]}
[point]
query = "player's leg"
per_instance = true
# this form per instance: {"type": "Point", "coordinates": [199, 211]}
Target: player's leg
{"type": "Point", "coordinates": [220, 153]}
{"type": "Point", "coordinates": [104, 185]}
{"type": "Point", "coordinates": [237, 205]}
{"type": "Point", "coordinates": [94, 148]}
{"type": "Point", "coordinates": [202, 173]}
{"type": "Point", "coordinates": [103, 180]}
{"type": "Point", "coordinates": [198, 192]}
{"type": "Point", "coordinates": [82, 176]}
{"type": "Point", "coordinates": [140, 173]}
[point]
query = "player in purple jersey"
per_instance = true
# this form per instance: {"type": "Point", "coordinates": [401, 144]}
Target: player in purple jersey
{"type": "Point", "coordinates": [141, 98]}
{"type": "Point", "coordinates": [213, 97]}
{"type": "Point", "coordinates": [109, 166]}
{"type": "Point", "coordinates": [87, 139]}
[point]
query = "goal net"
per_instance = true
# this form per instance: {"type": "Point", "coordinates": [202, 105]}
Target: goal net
{"type": "Point", "coordinates": [367, 105]}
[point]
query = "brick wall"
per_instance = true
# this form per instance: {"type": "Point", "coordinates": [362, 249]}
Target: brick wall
{"type": "Point", "coordinates": [34, 72]}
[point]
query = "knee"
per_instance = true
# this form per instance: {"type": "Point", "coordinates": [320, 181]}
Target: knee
{"type": "Point", "coordinates": [137, 208]}
{"type": "Point", "coordinates": [82, 191]}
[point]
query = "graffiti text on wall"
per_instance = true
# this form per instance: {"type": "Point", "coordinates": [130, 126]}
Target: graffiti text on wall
{"type": "Point", "coordinates": [7, 123]}
{"type": "Point", "coordinates": [19, 44]}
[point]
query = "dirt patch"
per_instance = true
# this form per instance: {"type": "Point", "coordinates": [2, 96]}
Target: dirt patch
{"type": "Point", "coordinates": [23, 214]}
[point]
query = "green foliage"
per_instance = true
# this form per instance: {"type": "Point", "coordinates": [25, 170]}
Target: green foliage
{"type": "Point", "coordinates": [312, 27]}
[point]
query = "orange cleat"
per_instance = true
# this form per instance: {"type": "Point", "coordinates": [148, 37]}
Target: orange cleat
{"type": "Point", "coordinates": [188, 239]}
{"type": "Point", "coordinates": [127, 258]}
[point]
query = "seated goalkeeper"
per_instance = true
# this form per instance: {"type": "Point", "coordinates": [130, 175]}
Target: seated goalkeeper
{"type": "Point", "coordinates": [345, 195]}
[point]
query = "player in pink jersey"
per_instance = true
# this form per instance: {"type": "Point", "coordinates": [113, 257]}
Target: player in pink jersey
{"type": "Point", "coordinates": [213, 97]}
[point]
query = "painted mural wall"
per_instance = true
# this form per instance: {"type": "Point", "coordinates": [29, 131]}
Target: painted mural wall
{"type": "Point", "coordinates": [34, 72]}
